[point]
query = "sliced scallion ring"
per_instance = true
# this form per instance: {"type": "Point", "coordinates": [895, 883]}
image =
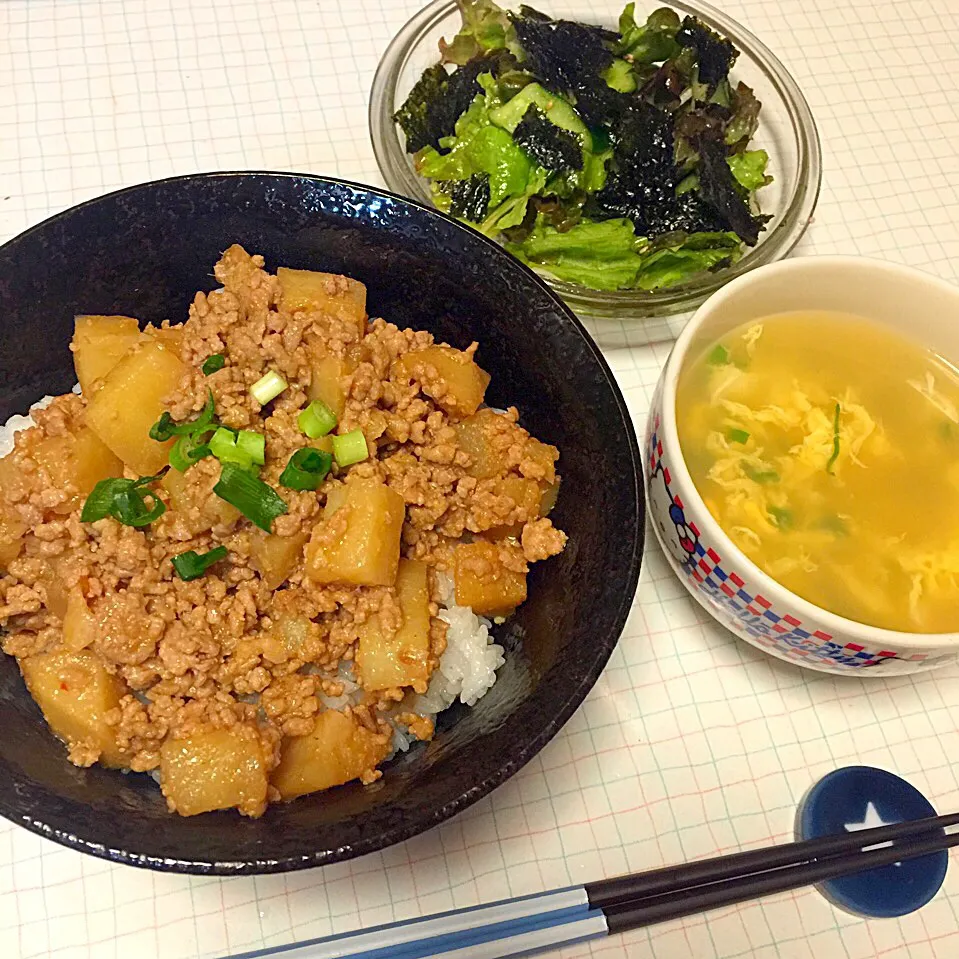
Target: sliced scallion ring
{"type": "Point", "coordinates": [252, 444]}
{"type": "Point", "coordinates": [306, 470]}
{"type": "Point", "coordinates": [187, 451]}
{"type": "Point", "coordinates": [316, 420]}
{"type": "Point", "coordinates": [268, 387]}
{"type": "Point", "coordinates": [350, 448]}
{"type": "Point", "coordinates": [225, 447]}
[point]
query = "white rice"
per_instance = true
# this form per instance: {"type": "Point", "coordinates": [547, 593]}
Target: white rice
{"type": "Point", "coordinates": [467, 669]}
{"type": "Point", "coordinates": [16, 423]}
{"type": "Point", "coordinates": [10, 429]}
{"type": "Point", "coordinates": [351, 691]}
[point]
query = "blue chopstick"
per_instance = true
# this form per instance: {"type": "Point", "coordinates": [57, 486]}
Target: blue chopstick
{"type": "Point", "coordinates": [511, 927]}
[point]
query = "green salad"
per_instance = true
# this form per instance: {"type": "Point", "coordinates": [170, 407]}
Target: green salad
{"type": "Point", "coordinates": [611, 159]}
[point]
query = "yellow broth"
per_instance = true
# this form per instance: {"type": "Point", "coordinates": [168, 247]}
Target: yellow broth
{"type": "Point", "coordinates": [827, 447]}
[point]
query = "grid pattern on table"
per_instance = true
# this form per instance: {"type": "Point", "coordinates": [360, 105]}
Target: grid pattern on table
{"type": "Point", "coordinates": [691, 743]}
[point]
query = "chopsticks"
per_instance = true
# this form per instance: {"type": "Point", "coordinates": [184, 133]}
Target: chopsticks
{"type": "Point", "coordinates": [670, 893]}
{"type": "Point", "coordinates": [561, 917]}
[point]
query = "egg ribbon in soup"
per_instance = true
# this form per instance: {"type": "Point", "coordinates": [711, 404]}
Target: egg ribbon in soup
{"type": "Point", "coordinates": [827, 447]}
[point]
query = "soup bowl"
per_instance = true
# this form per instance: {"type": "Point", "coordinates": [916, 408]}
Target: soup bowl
{"type": "Point", "coordinates": [716, 572]}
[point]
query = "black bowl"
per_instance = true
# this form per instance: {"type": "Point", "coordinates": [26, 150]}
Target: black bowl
{"type": "Point", "coordinates": [144, 251]}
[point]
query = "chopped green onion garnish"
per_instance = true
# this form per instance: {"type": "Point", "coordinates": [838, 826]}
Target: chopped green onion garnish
{"type": "Point", "coordinates": [834, 524]}
{"type": "Point", "coordinates": [192, 435]}
{"type": "Point", "coordinates": [737, 436]}
{"type": "Point", "coordinates": [835, 440]}
{"type": "Point", "coordinates": [253, 445]}
{"type": "Point", "coordinates": [306, 470]}
{"type": "Point", "coordinates": [259, 503]}
{"type": "Point", "coordinates": [213, 363]}
{"type": "Point", "coordinates": [760, 476]}
{"type": "Point", "coordinates": [124, 500]}
{"type": "Point", "coordinates": [191, 564]}
{"type": "Point", "coordinates": [783, 518]}
{"type": "Point", "coordinates": [163, 428]}
{"type": "Point", "coordinates": [186, 451]}
{"type": "Point", "coordinates": [350, 448]}
{"type": "Point", "coordinates": [179, 459]}
{"type": "Point", "coordinates": [316, 420]}
{"type": "Point", "coordinates": [718, 356]}
{"type": "Point", "coordinates": [268, 387]}
{"type": "Point", "coordinates": [223, 443]}
{"type": "Point", "coordinates": [225, 447]}
{"type": "Point", "coordinates": [206, 414]}
{"type": "Point", "coordinates": [166, 427]}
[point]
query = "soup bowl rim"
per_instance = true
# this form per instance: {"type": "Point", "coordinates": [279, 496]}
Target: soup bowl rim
{"type": "Point", "coordinates": [693, 501]}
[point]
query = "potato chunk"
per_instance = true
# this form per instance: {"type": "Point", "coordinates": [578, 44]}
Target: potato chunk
{"type": "Point", "coordinates": [339, 749]}
{"type": "Point", "coordinates": [171, 337]}
{"type": "Point", "coordinates": [526, 495]}
{"type": "Point", "coordinates": [448, 376]}
{"type": "Point", "coordinates": [338, 296]}
{"type": "Point", "coordinates": [357, 541]}
{"type": "Point", "coordinates": [12, 487]}
{"type": "Point", "coordinates": [329, 381]}
{"type": "Point", "coordinates": [216, 769]}
{"type": "Point", "coordinates": [538, 460]}
{"type": "Point", "coordinates": [79, 623]}
{"type": "Point", "coordinates": [54, 588]}
{"type": "Point", "coordinates": [99, 343]}
{"type": "Point", "coordinates": [75, 693]}
{"type": "Point", "coordinates": [388, 659]}
{"type": "Point", "coordinates": [291, 637]}
{"type": "Point", "coordinates": [130, 401]}
{"type": "Point", "coordinates": [275, 557]}
{"type": "Point", "coordinates": [521, 497]}
{"type": "Point", "coordinates": [485, 437]}
{"type": "Point", "coordinates": [11, 536]}
{"type": "Point", "coordinates": [76, 461]}
{"type": "Point", "coordinates": [484, 582]}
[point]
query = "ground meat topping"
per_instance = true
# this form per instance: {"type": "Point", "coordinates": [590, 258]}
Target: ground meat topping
{"type": "Point", "coordinates": [242, 661]}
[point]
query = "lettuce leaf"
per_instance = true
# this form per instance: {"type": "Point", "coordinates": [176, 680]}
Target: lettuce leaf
{"type": "Point", "coordinates": [485, 27]}
{"type": "Point", "coordinates": [745, 119]}
{"type": "Point", "coordinates": [749, 168]}
{"type": "Point", "coordinates": [512, 211]}
{"type": "Point", "coordinates": [686, 257]}
{"type": "Point", "coordinates": [655, 40]}
{"type": "Point", "coordinates": [606, 254]}
{"type": "Point", "coordinates": [479, 147]}
{"type": "Point", "coordinates": [601, 255]}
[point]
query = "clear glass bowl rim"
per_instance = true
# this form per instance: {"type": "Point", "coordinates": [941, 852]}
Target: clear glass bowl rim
{"type": "Point", "coordinates": [624, 304]}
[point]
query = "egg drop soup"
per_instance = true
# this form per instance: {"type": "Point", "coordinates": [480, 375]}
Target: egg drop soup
{"type": "Point", "coordinates": [827, 447]}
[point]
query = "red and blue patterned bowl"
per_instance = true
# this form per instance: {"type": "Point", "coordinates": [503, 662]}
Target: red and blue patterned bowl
{"type": "Point", "coordinates": [717, 573]}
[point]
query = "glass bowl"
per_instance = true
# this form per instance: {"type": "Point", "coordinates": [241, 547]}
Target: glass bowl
{"type": "Point", "coordinates": [786, 131]}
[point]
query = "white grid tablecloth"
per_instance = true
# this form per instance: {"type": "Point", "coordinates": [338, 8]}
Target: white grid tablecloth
{"type": "Point", "coordinates": [692, 743]}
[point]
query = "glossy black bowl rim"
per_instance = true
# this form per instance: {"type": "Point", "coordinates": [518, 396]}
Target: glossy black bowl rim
{"type": "Point", "coordinates": [530, 748]}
